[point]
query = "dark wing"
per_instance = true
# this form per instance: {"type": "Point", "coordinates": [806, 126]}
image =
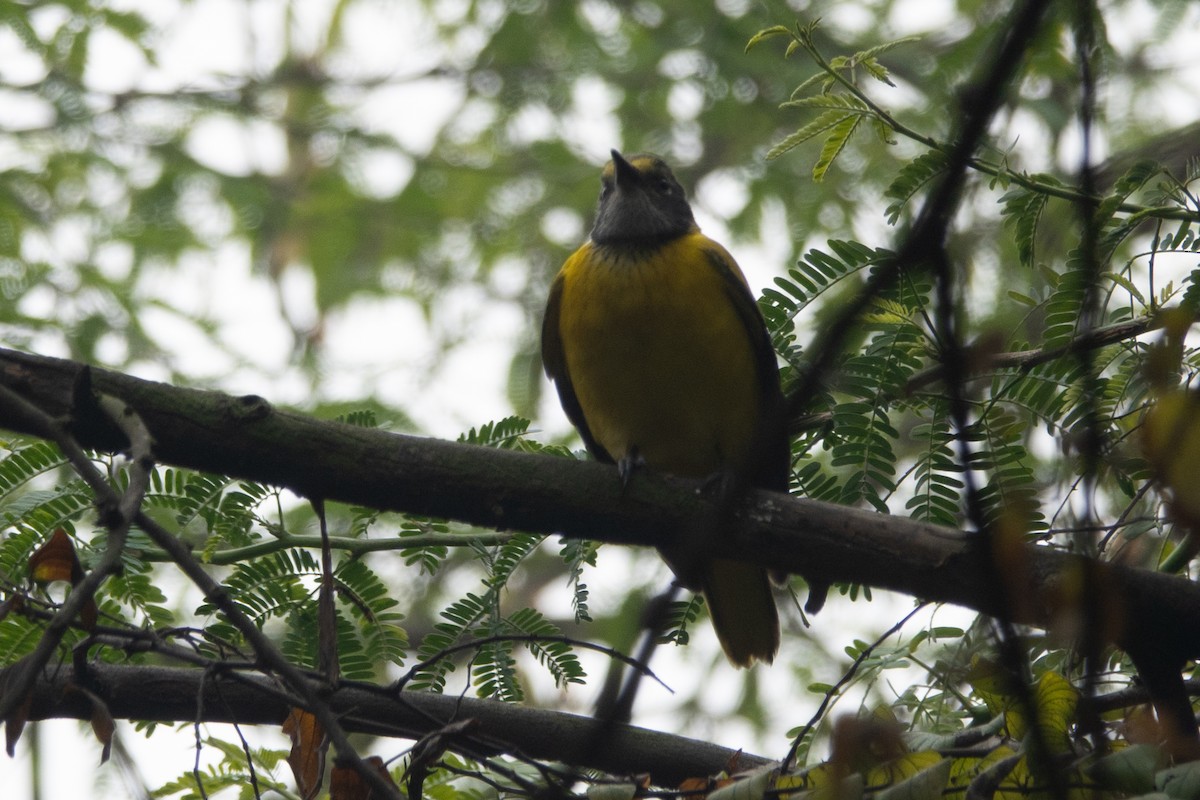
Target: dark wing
{"type": "Point", "coordinates": [554, 360]}
{"type": "Point", "coordinates": [771, 461]}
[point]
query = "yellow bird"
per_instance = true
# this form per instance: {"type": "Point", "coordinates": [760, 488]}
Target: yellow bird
{"type": "Point", "coordinates": [660, 356]}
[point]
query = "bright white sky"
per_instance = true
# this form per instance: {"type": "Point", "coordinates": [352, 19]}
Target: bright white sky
{"type": "Point", "coordinates": [394, 38]}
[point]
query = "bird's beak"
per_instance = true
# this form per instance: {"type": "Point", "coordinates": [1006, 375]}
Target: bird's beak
{"type": "Point", "coordinates": [625, 173]}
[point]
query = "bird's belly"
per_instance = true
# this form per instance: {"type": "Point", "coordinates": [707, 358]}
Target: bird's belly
{"type": "Point", "coordinates": [661, 362]}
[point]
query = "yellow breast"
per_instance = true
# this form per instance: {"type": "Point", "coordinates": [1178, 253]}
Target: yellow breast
{"type": "Point", "coordinates": [658, 356]}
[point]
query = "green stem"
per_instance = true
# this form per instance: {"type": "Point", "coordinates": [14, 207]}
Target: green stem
{"type": "Point", "coordinates": [994, 170]}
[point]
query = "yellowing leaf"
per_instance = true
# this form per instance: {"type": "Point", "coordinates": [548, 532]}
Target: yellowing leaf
{"type": "Point", "coordinates": [901, 769]}
{"type": "Point", "coordinates": [1013, 777]}
{"type": "Point", "coordinates": [962, 772]}
{"type": "Point", "coordinates": [925, 784]}
{"type": "Point", "coordinates": [849, 788]}
{"type": "Point", "coordinates": [987, 679]}
{"type": "Point", "coordinates": [1171, 443]}
{"type": "Point", "coordinates": [791, 782]}
{"type": "Point", "coordinates": [751, 787]}
{"type": "Point", "coordinates": [1056, 700]}
{"type": "Point", "coordinates": [821, 777]}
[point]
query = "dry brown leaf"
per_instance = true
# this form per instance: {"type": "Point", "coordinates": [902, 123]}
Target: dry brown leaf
{"type": "Point", "coordinates": [56, 560]}
{"type": "Point", "coordinates": [307, 757]}
{"type": "Point", "coordinates": [103, 724]}
{"type": "Point", "coordinates": [15, 724]}
{"type": "Point", "coordinates": [346, 784]}
{"type": "Point", "coordinates": [88, 614]}
{"type": "Point", "coordinates": [695, 788]}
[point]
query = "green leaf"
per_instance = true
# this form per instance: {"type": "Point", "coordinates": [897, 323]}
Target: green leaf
{"type": "Point", "coordinates": [1055, 700]}
{"type": "Point", "coordinates": [612, 791]}
{"type": "Point", "coordinates": [821, 124]}
{"type": "Point", "coordinates": [879, 49]}
{"type": "Point", "coordinates": [502, 433]}
{"type": "Point", "coordinates": [1182, 781]}
{"type": "Point", "coordinates": [556, 656]}
{"type": "Point", "coordinates": [1130, 769]}
{"type": "Point", "coordinates": [678, 618]}
{"type": "Point", "coordinates": [911, 178]}
{"type": "Point", "coordinates": [1022, 210]}
{"type": "Point", "coordinates": [767, 33]}
{"type": "Point", "coordinates": [834, 144]}
{"type": "Point", "coordinates": [876, 70]}
{"type": "Point", "coordinates": [1133, 179]}
{"type": "Point", "coordinates": [836, 102]}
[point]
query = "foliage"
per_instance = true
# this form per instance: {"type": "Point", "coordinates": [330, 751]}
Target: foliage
{"type": "Point", "coordinates": [1070, 310]}
{"type": "Point", "coordinates": [264, 770]}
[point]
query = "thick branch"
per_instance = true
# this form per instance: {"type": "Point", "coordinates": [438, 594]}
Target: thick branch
{"type": "Point", "coordinates": [170, 694]}
{"type": "Point", "coordinates": [247, 438]}
{"type": "Point", "coordinates": [110, 411]}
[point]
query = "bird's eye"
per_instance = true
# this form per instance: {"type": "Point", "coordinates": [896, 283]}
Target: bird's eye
{"type": "Point", "coordinates": [605, 189]}
{"type": "Point", "coordinates": [664, 186]}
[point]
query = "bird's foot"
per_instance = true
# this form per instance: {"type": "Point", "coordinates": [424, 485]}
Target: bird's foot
{"type": "Point", "coordinates": [817, 591]}
{"type": "Point", "coordinates": [628, 464]}
{"type": "Point", "coordinates": [721, 485]}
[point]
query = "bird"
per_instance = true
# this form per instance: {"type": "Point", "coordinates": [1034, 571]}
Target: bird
{"type": "Point", "coordinates": [661, 358]}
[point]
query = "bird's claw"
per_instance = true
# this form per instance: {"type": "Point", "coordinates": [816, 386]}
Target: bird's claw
{"type": "Point", "coordinates": [628, 464]}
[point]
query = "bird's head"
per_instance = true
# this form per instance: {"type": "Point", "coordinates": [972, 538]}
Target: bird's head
{"type": "Point", "coordinates": [640, 202]}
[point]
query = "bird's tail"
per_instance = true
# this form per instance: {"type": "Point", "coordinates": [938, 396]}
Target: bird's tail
{"type": "Point", "coordinates": [743, 610]}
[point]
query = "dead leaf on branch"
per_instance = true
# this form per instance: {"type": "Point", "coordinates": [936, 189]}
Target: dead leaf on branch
{"type": "Point", "coordinates": [345, 783]}
{"type": "Point", "coordinates": [57, 560]}
{"type": "Point", "coordinates": [307, 757]}
{"type": "Point", "coordinates": [15, 723]}
{"type": "Point", "coordinates": [103, 724]}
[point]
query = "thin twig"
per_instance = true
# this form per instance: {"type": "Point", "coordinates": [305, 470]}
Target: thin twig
{"type": "Point", "coordinates": [1028, 359]}
{"type": "Point", "coordinates": [475, 644]}
{"type": "Point", "coordinates": [116, 514]}
{"type": "Point", "coordinates": [1085, 194]}
{"type": "Point", "coordinates": [835, 690]}
{"type": "Point", "coordinates": [267, 652]}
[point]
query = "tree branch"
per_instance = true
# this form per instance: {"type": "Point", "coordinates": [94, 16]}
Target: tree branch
{"type": "Point", "coordinates": [115, 415]}
{"type": "Point", "coordinates": [117, 513]}
{"type": "Point", "coordinates": [170, 694]}
{"type": "Point", "coordinates": [247, 438]}
{"type": "Point", "coordinates": [1093, 339]}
